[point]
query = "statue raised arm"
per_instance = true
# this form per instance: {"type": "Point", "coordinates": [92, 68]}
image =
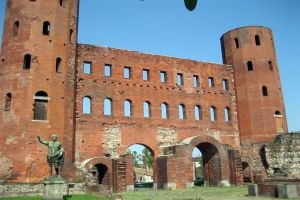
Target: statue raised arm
{"type": "Point", "coordinates": [55, 155]}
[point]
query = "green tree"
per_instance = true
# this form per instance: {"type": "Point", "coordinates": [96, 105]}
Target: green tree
{"type": "Point", "coordinates": [147, 158]}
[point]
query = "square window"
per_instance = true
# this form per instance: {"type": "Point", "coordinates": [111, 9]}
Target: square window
{"type": "Point", "coordinates": [163, 76]}
{"type": "Point", "coordinates": [87, 67]}
{"type": "Point", "coordinates": [179, 79]}
{"type": "Point", "coordinates": [127, 72]}
{"type": "Point", "coordinates": [211, 83]}
{"type": "Point", "coordinates": [145, 74]}
{"type": "Point", "coordinates": [107, 70]}
{"type": "Point", "coordinates": [196, 81]}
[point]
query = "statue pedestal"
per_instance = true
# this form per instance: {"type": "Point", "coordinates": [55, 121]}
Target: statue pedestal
{"type": "Point", "coordinates": [54, 187]}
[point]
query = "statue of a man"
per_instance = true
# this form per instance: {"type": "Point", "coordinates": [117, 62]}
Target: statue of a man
{"type": "Point", "coordinates": [56, 154]}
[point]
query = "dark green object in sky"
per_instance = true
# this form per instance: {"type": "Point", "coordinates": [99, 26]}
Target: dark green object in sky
{"type": "Point", "coordinates": [190, 4]}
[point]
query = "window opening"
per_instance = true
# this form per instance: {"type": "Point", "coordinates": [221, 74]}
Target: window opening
{"type": "Point", "coordinates": [127, 108]}
{"type": "Point", "coordinates": [27, 61]}
{"type": "Point", "coordinates": [146, 106]}
{"type": "Point", "coordinates": [264, 90]}
{"type": "Point", "coordinates": [107, 70]}
{"type": "Point", "coordinates": [225, 85]}
{"type": "Point", "coordinates": [16, 28]}
{"type": "Point", "coordinates": [237, 45]}
{"type": "Point", "coordinates": [71, 35]}
{"type": "Point", "coordinates": [163, 76]}
{"type": "Point", "coordinates": [198, 112]}
{"type": "Point", "coordinates": [87, 67]}
{"type": "Point", "coordinates": [127, 72]}
{"type": "Point", "coordinates": [164, 110]}
{"type": "Point", "coordinates": [250, 65]}
{"type": "Point", "coordinates": [181, 111]}
{"type": "Point", "coordinates": [61, 2]}
{"type": "Point", "coordinates": [257, 40]}
{"type": "Point", "coordinates": [86, 105]}
{"type": "Point", "coordinates": [270, 65]}
{"type": "Point", "coordinates": [145, 74]}
{"type": "Point", "coordinates": [196, 81]}
{"type": "Point", "coordinates": [46, 28]}
{"type": "Point", "coordinates": [211, 82]}
{"type": "Point", "coordinates": [40, 106]}
{"type": "Point", "coordinates": [58, 65]}
{"type": "Point", "coordinates": [7, 104]}
{"type": "Point", "coordinates": [213, 115]}
{"type": "Point", "coordinates": [179, 79]}
{"type": "Point", "coordinates": [107, 106]}
{"type": "Point", "coordinates": [227, 114]}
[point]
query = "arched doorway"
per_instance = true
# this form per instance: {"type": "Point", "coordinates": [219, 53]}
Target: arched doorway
{"type": "Point", "coordinates": [211, 164]}
{"type": "Point", "coordinates": [101, 174]}
{"type": "Point", "coordinates": [246, 172]}
{"type": "Point", "coordinates": [142, 158]}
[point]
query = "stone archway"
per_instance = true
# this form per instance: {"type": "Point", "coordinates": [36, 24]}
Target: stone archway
{"type": "Point", "coordinates": [215, 159]}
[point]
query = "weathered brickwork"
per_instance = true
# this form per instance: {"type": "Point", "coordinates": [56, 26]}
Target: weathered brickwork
{"type": "Point", "coordinates": [101, 100]}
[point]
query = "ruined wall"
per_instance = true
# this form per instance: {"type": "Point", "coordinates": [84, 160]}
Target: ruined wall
{"type": "Point", "coordinates": [98, 133]}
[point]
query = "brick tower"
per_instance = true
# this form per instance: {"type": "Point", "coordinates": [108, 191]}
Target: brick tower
{"type": "Point", "coordinates": [37, 81]}
{"type": "Point", "coordinates": [261, 114]}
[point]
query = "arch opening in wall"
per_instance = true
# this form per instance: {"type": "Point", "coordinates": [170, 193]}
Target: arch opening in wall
{"type": "Point", "coordinates": [142, 158]}
{"type": "Point", "coordinates": [236, 41]}
{"type": "Point", "coordinates": [147, 109]}
{"type": "Point", "coordinates": [164, 110]}
{"type": "Point", "coordinates": [8, 99]}
{"type": "Point", "coordinates": [40, 106]}
{"type": "Point", "coordinates": [86, 105]}
{"type": "Point", "coordinates": [227, 114]}
{"type": "Point", "coordinates": [27, 61]}
{"type": "Point", "coordinates": [197, 161]}
{"type": "Point", "coordinates": [46, 28]}
{"type": "Point", "coordinates": [211, 164]}
{"type": "Point", "coordinates": [264, 90]}
{"type": "Point", "coordinates": [58, 65]}
{"type": "Point", "coordinates": [213, 113]}
{"type": "Point", "coordinates": [198, 112]}
{"type": "Point", "coordinates": [107, 107]}
{"type": "Point", "coordinates": [257, 40]}
{"type": "Point", "coordinates": [181, 112]}
{"type": "Point", "coordinates": [127, 107]}
{"type": "Point", "coordinates": [250, 65]}
{"type": "Point", "coordinates": [270, 65]}
{"type": "Point", "coordinates": [16, 28]}
{"type": "Point", "coordinates": [100, 174]}
{"type": "Point", "coordinates": [278, 121]}
{"type": "Point", "coordinates": [247, 177]}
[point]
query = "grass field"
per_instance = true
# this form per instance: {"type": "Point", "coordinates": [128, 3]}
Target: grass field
{"type": "Point", "coordinates": [200, 193]}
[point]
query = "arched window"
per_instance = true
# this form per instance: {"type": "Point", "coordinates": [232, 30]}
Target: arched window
{"type": "Point", "coordinates": [61, 2]}
{"type": "Point", "coordinates": [198, 112]}
{"type": "Point", "coordinates": [58, 65]}
{"type": "Point", "coordinates": [107, 106]}
{"type": "Point", "coordinates": [8, 99]}
{"type": "Point", "coordinates": [264, 90]}
{"type": "Point", "coordinates": [213, 113]}
{"type": "Point", "coordinates": [27, 61]}
{"type": "Point", "coordinates": [127, 108]}
{"type": "Point", "coordinates": [71, 36]}
{"type": "Point", "coordinates": [86, 105]}
{"type": "Point", "coordinates": [181, 111]}
{"type": "Point", "coordinates": [250, 65]}
{"type": "Point", "coordinates": [270, 65]}
{"type": "Point", "coordinates": [257, 40]}
{"type": "Point", "coordinates": [46, 28]}
{"type": "Point", "coordinates": [237, 45]}
{"type": "Point", "coordinates": [227, 114]}
{"type": "Point", "coordinates": [164, 110]}
{"type": "Point", "coordinates": [40, 105]}
{"type": "Point", "coordinates": [147, 109]}
{"type": "Point", "coordinates": [16, 28]}
{"type": "Point", "coordinates": [277, 113]}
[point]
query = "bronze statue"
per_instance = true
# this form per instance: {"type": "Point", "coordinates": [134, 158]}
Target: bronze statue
{"type": "Point", "coordinates": [56, 154]}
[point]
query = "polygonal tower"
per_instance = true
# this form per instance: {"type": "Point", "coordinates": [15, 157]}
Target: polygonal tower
{"type": "Point", "coordinates": [261, 113]}
{"type": "Point", "coordinates": [37, 82]}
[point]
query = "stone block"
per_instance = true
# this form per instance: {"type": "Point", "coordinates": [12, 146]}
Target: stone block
{"type": "Point", "coordinates": [287, 191]}
{"type": "Point", "coordinates": [54, 188]}
{"type": "Point", "coordinates": [252, 190]}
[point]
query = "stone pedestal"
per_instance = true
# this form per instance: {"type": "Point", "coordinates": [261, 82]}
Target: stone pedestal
{"type": "Point", "coordinates": [54, 187]}
{"type": "Point", "coordinates": [287, 191]}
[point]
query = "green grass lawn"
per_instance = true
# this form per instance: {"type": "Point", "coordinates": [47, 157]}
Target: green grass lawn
{"type": "Point", "coordinates": [198, 193]}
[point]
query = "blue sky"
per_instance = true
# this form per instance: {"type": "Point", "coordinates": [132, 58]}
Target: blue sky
{"type": "Point", "coordinates": [165, 27]}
